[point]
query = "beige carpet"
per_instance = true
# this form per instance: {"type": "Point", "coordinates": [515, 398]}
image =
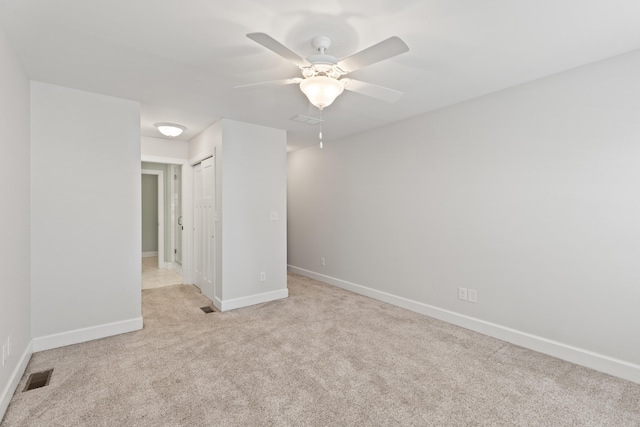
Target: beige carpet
{"type": "Point", "coordinates": [322, 357]}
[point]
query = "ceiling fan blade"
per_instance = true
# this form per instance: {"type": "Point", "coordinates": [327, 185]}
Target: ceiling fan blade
{"type": "Point", "coordinates": [374, 91]}
{"type": "Point", "coordinates": [277, 47]}
{"type": "Point", "coordinates": [384, 50]}
{"type": "Point", "coordinates": [270, 83]}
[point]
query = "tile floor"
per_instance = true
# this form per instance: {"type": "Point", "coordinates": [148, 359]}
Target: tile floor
{"type": "Point", "coordinates": [154, 277]}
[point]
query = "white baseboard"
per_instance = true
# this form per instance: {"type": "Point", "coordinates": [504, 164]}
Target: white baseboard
{"type": "Point", "coordinates": [232, 304]}
{"type": "Point", "coordinates": [86, 334]}
{"type": "Point", "coordinates": [149, 254]}
{"type": "Point", "coordinates": [599, 362]}
{"type": "Point", "coordinates": [14, 380]}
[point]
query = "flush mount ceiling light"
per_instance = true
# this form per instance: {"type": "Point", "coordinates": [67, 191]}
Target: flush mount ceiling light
{"type": "Point", "coordinates": [170, 129]}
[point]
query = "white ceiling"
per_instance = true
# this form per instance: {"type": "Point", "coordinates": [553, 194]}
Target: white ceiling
{"type": "Point", "coordinates": [181, 59]}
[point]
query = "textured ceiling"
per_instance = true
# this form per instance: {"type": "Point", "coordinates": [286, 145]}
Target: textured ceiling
{"type": "Point", "coordinates": [181, 59]}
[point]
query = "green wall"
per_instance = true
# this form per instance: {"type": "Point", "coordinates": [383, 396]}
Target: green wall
{"type": "Point", "coordinates": [149, 213]}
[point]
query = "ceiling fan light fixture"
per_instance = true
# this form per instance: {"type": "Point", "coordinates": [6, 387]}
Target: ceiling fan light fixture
{"type": "Point", "coordinates": [170, 129]}
{"type": "Point", "coordinates": [321, 90]}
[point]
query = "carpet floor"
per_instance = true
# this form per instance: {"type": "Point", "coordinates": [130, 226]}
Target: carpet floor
{"type": "Point", "coordinates": [322, 357]}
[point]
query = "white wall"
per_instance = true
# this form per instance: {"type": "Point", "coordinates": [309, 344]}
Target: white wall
{"type": "Point", "coordinates": [164, 148]}
{"type": "Point", "coordinates": [205, 143]}
{"type": "Point", "coordinates": [85, 194]}
{"type": "Point", "coordinates": [250, 184]}
{"type": "Point", "coordinates": [254, 183]}
{"type": "Point", "coordinates": [15, 286]}
{"type": "Point", "coordinates": [529, 196]}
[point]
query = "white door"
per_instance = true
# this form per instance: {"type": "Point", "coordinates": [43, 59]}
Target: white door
{"type": "Point", "coordinates": [204, 226]}
{"type": "Point", "coordinates": [197, 224]}
{"type": "Point", "coordinates": [178, 225]}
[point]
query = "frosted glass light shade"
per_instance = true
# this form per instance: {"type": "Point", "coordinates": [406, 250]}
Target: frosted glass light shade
{"type": "Point", "coordinates": [321, 90]}
{"type": "Point", "coordinates": [170, 129]}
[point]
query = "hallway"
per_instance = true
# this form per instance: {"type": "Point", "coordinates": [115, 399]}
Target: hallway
{"type": "Point", "coordinates": [154, 277]}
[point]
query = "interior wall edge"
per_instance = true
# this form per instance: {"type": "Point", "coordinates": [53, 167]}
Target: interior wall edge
{"type": "Point", "coordinates": [14, 379]}
{"type": "Point", "coordinates": [600, 362]}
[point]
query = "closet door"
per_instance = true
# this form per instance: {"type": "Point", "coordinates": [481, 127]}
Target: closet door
{"type": "Point", "coordinates": [204, 226]}
{"type": "Point", "coordinates": [208, 227]}
{"type": "Point", "coordinates": [197, 225]}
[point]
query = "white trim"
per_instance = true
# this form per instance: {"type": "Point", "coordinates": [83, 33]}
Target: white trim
{"type": "Point", "coordinates": [14, 380]}
{"type": "Point", "coordinates": [86, 334]}
{"type": "Point", "coordinates": [163, 160]}
{"type": "Point", "coordinates": [612, 366]}
{"type": "Point", "coordinates": [232, 304]}
{"type": "Point", "coordinates": [149, 254]}
{"type": "Point", "coordinates": [160, 175]}
{"type": "Point", "coordinates": [172, 220]}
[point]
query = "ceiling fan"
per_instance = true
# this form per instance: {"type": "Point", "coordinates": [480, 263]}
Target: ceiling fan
{"type": "Point", "coordinates": [322, 74]}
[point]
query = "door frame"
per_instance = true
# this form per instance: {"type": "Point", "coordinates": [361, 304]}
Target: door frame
{"type": "Point", "coordinates": [160, 177]}
{"type": "Point", "coordinates": [187, 205]}
{"type": "Point", "coordinates": [174, 217]}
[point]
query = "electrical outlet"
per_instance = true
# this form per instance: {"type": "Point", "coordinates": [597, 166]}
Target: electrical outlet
{"type": "Point", "coordinates": [473, 295]}
{"type": "Point", "coordinates": [274, 215]}
{"type": "Point", "coordinates": [4, 353]}
{"type": "Point", "coordinates": [322, 261]}
{"type": "Point", "coordinates": [263, 276]}
{"type": "Point", "coordinates": [9, 346]}
{"type": "Point", "coordinates": [462, 293]}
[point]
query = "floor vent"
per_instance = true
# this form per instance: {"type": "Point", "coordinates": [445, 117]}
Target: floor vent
{"type": "Point", "coordinates": [207, 309]}
{"type": "Point", "coordinates": [39, 379]}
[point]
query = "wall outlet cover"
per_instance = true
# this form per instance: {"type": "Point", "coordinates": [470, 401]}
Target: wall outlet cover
{"type": "Point", "coordinates": [462, 293]}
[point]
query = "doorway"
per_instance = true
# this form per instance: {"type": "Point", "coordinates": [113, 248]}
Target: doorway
{"type": "Point", "coordinates": [153, 212]}
{"type": "Point", "coordinates": [162, 266]}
